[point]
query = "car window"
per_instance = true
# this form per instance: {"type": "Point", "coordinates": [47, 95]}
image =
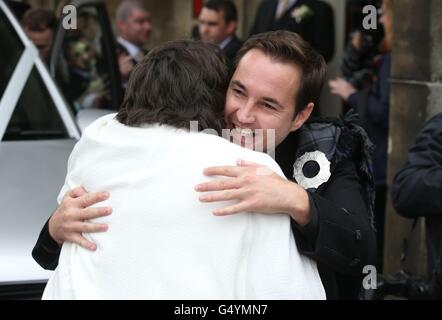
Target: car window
{"type": "Point", "coordinates": [11, 49]}
{"type": "Point", "coordinates": [35, 116]}
{"type": "Point", "coordinates": [82, 70]}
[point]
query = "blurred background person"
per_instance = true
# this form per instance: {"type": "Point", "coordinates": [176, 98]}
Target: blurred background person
{"type": "Point", "coordinates": [313, 20]}
{"type": "Point", "coordinates": [84, 88]}
{"type": "Point", "coordinates": [217, 24]}
{"type": "Point", "coordinates": [134, 28]}
{"type": "Point", "coordinates": [359, 61]}
{"type": "Point", "coordinates": [39, 25]}
{"type": "Point", "coordinates": [373, 107]}
{"type": "Point", "coordinates": [417, 192]}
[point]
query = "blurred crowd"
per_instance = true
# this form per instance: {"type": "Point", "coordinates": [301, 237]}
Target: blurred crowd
{"type": "Point", "coordinates": [82, 75]}
{"type": "Point", "coordinates": [81, 66]}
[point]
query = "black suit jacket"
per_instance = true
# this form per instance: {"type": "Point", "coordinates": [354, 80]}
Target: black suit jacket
{"type": "Point", "coordinates": [339, 236]}
{"type": "Point", "coordinates": [317, 29]}
{"type": "Point", "coordinates": [230, 51]}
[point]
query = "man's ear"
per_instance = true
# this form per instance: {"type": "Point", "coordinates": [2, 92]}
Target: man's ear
{"type": "Point", "coordinates": [121, 25]}
{"type": "Point", "coordinates": [302, 117]}
{"type": "Point", "coordinates": [231, 27]}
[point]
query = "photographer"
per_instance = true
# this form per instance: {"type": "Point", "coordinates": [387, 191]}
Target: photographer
{"type": "Point", "coordinates": [372, 104]}
{"type": "Point", "coordinates": [416, 192]}
{"type": "Point", "coordinates": [361, 55]}
{"type": "Point", "coordinates": [358, 65]}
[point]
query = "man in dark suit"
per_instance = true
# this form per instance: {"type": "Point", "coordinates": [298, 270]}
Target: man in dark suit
{"type": "Point", "coordinates": [218, 21]}
{"type": "Point", "coordinates": [39, 25]}
{"type": "Point", "coordinates": [134, 27]}
{"type": "Point", "coordinates": [313, 20]}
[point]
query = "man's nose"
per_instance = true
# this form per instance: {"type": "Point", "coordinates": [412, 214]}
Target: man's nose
{"type": "Point", "coordinates": [245, 114]}
{"type": "Point", "coordinates": [147, 25]}
{"type": "Point", "coordinates": [203, 29]}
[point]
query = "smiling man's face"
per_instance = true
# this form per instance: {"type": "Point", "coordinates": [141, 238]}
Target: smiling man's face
{"type": "Point", "coordinates": [261, 95]}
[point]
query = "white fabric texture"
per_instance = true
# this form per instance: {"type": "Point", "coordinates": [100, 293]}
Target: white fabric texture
{"type": "Point", "coordinates": [162, 242]}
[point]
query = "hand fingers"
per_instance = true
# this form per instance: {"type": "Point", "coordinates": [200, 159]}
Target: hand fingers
{"type": "Point", "coordinates": [75, 193]}
{"type": "Point", "coordinates": [332, 84]}
{"type": "Point", "coordinates": [236, 208]}
{"type": "Point", "coordinates": [225, 195]}
{"type": "Point", "coordinates": [245, 163]}
{"type": "Point", "coordinates": [90, 199]}
{"type": "Point", "coordinates": [83, 242]}
{"type": "Point", "coordinates": [127, 65]}
{"type": "Point", "coordinates": [127, 59]}
{"type": "Point", "coordinates": [260, 170]}
{"type": "Point", "coordinates": [88, 227]}
{"type": "Point", "coordinates": [218, 185]}
{"type": "Point", "coordinates": [92, 213]}
{"type": "Point", "coordinates": [334, 87]}
{"type": "Point", "coordinates": [227, 171]}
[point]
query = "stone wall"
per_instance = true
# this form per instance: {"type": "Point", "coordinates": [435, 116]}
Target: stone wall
{"type": "Point", "coordinates": [416, 95]}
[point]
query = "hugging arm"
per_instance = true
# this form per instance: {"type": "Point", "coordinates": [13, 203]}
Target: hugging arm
{"type": "Point", "coordinates": [67, 223]}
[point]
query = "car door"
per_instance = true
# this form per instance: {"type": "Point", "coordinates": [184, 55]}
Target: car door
{"type": "Point", "coordinates": [37, 134]}
{"type": "Point", "coordinates": [84, 61]}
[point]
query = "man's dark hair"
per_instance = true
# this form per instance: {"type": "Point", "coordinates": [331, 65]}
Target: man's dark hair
{"type": "Point", "coordinates": [39, 20]}
{"type": "Point", "coordinates": [177, 82]}
{"type": "Point", "coordinates": [226, 6]}
{"type": "Point", "coordinates": [289, 47]}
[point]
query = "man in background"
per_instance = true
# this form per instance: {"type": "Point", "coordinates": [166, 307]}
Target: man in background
{"type": "Point", "coordinates": [218, 21]}
{"type": "Point", "coordinates": [39, 25]}
{"type": "Point", "coordinates": [134, 28]}
{"type": "Point", "coordinates": [313, 20]}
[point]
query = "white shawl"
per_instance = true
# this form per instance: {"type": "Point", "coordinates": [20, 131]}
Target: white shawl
{"type": "Point", "coordinates": [162, 242]}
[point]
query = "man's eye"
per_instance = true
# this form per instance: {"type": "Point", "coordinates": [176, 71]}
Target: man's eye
{"type": "Point", "coordinates": [269, 106]}
{"type": "Point", "coordinates": [237, 92]}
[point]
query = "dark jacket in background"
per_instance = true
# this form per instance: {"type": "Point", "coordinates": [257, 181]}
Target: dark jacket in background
{"type": "Point", "coordinates": [417, 187]}
{"type": "Point", "coordinates": [373, 107]}
{"type": "Point", "coordinates": [317, 29]}
{"type": "Point", "coordinates": [230, 51]}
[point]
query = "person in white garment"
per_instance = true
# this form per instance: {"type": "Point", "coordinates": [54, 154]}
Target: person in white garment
{"type": "Point", "coordinates": [163, 242]}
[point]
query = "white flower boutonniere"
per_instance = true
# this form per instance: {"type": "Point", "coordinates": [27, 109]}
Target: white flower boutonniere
{"type": "Point", "coordinates": [301, 12]}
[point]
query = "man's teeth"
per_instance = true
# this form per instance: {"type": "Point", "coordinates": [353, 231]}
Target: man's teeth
{"type": "Point", "coordinates": [244, 131]}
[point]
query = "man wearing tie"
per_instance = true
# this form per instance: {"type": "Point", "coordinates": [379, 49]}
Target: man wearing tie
{"type": "Point", "coordinates": [217, 24]}
{"type": "Point", "coordinates": [134, 26]}
{"type": "Point", "coordinates": [311, 19]}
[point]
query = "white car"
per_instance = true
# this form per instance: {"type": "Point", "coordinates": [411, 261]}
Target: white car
{"type": "Point", "coordinates": [38, 130]}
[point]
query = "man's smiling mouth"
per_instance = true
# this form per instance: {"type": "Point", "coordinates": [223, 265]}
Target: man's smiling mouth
{"type": "Point", "coordinates": [246, 132]}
